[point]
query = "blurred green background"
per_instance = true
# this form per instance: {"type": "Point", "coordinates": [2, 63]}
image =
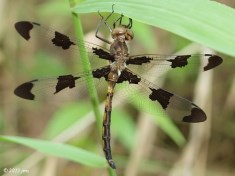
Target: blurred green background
{"type": "Point", "coordinates": [142, 143]}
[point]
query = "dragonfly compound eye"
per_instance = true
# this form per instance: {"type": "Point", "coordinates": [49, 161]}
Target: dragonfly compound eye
{"type": "Point", "coordinates": [129, 35]}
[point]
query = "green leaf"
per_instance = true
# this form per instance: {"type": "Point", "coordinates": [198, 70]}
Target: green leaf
{"type": "Point", "coordinates": [206, 22]}
{"type": "Point", "coordinates": [60, 150]}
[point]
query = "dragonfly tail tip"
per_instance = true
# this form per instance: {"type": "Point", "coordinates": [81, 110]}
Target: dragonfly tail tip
{"type": "Point", "coordinates": [112, 164]}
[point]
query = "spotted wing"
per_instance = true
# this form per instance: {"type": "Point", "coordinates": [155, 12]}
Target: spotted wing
{"type": "Point", "coordinates": [177, 107]}
{"type": "Point", "coordinates": [61, 41]}
{"type": "Point", "coordinates": [175, 61]}
{"type": "Point", "coordinates": [33, 90]}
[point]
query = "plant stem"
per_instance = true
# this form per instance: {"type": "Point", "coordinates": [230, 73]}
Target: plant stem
{"type": "Point", "coordinates": [86, 68]}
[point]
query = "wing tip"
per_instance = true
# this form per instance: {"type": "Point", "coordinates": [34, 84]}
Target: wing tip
{"type": "Point", "coordinates": [197, 115]}
{"type": "Point", "coordinates": [24, 90]}
{"type": "Point", "coordinates": [213, 61]}
{"type": "Point", "coordinates": [24, 28]}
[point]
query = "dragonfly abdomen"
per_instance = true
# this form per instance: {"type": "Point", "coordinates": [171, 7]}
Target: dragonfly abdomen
{"type": "Point", "coordinates": [107, 123]}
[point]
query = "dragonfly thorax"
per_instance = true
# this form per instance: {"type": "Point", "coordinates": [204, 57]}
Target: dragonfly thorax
{"type": "Point", "coordinates": [119, 49]}
{"type": "Point", "coordinates": [118, 66]}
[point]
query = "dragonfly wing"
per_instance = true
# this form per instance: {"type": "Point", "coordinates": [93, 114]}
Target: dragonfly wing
{"type": "Point", "coordinates": [60, 40]}
{"type": "Point", "coordinates": [177, 107]}
{"type": "Point", "coordinates": [32, 90]}
{"type": "Point", "coordinates": [163, 63]}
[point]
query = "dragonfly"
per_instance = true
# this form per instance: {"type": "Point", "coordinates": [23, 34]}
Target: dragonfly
{"type": "Point", "coordinates": [117, 71]}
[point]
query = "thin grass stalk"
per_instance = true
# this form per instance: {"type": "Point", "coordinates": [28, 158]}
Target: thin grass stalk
{"type": "Point", "coordinates": [86, 68]}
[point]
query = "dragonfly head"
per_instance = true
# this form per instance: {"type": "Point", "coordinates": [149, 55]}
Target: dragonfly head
{"type": "Point", "coordinates": [122, 33]}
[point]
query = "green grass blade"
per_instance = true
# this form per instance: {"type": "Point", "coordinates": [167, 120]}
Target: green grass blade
{"type": "Point", "coordinates": [60, 150]}
{"type": "Point", "coordinates": [87, 67]}
{"type": "Point", "coordinates": [206, 22]}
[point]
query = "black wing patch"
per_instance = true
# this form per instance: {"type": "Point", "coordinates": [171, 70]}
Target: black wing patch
{"type": "Point", "coordinates": [213, 61]}
{"type": "Point", "coordinates": [101, 72]}
{"type": "Point", "coordinates": [125, 75]}
{"type": "Point", "coordinates": [162, 96]}
{"type": "Point", "coordinates": [139, 60]}
{"type": "Point", "coordinates": [24, 28]}
{"type": "Point", "coordinates": [62, 41]}
{"type": "Point", "coordinates": [24, 90]}
{"type": "Point", "coordinates": [65, 81]}
{"type": "Point", "coordinates": [179, 61]}
{"type": "Point", "coordinates": [129, 76]}
{"type": "Point", "coordinates": [103, 54]}
{"type": "Point", "coordinates": [197, 115]}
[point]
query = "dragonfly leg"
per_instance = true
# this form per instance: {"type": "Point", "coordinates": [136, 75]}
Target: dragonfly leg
{"type": "Point", "coordinates": [118, 20]}
{"type": "Point", "coordinates": [104, 21]}
{"type": "Point", "coordinates": [129, 26]}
